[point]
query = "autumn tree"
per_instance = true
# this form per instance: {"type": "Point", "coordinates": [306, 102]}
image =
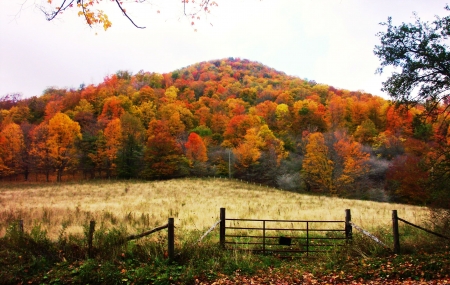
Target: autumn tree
{"type": "Point", "coordinates": [308, 116]}
{"type": "Point", "coordinates": [195, 148]}
{"type": "Point", "coordinates": [237, 128]}
{"type": "Point", "coordinates": [40, 149]}
{"type": "Point", "coordinates": [248, 151]}
{"type": "Point", "coordinates": [163, 155]}
{"type": "Point", "coordinates": [406, 180]}
{"type": "Point", "coordinates": [366, 132]}
{"type": "Point", "coordinates": [108, 144]}
{"type": "Point", "coordinates": [196, 152]}
{"type": "Point", "coordinates": [62, 135]}
{"type": "Point", "coordinates": [351, 163]}
{"type": "Point", "coordinates": [11, 149]}
{"type": "Point", "coordinates": [317, 168]}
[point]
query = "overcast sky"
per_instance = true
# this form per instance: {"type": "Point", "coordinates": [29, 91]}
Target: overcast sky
{"type": "Point", "coordinates": [329, 41]}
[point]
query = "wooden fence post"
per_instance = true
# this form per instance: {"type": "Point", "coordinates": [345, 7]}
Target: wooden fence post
{"type": "Point", "coordinates": [348, 225]}
{"type": "Point", "coordinates": [90, 238]}
{"type": "Point", "coordinates": [171, 239]}
{"type": "Point", "coordinates": [395, 232]}
{"type": "Point", "coordinates": [222, 227]}
{"type": "Point", "coordinates": [21, 226]}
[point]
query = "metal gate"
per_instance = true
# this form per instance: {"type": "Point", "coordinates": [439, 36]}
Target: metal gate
{"type": "Point", "coordinates": [283, 236]}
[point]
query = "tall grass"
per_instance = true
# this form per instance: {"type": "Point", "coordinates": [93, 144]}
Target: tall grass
{"type": "Point", "coordinates": [53, 248]}
{"type": "Point", "coordinates": [194, 203]}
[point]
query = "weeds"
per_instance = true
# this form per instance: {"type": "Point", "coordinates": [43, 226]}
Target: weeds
{"type": "Point", "coordinates": [34, 258]}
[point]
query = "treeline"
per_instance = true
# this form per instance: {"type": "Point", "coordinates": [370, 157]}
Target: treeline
{"type": "Point", "coordinates": [227, 117]}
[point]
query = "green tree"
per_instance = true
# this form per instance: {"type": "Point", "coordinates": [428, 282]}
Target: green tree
{"type": "Point", "coordinates": [129, 157]}
{"type": "Point", "coordinates": [419, 49]}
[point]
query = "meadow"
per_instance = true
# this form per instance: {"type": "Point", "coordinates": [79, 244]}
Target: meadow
{"type": "Point", "coordinates": [193, 203]}
{"type": "Point", "coordinates": [53, 247]}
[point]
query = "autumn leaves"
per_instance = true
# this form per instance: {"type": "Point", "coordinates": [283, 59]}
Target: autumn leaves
{"type": "Point", "coordinates": [336, 168]}
{"type": "Point", "coordinates": [51, 145]}
{"type": "Point", "coordinates": [232, 118]}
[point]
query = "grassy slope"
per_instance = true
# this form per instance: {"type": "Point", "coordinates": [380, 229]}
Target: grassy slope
{"type": "Point", "coordinates": [194, 203]}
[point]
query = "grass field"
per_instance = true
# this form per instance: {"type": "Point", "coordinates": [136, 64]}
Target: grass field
{"type": "Point", "coordinates": [53, 249]}
{"type": "Point", "coordinates": [194, 203]}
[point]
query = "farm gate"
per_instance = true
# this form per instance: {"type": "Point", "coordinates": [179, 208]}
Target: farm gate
{"type": "Point", "coordinates": [283, 237]}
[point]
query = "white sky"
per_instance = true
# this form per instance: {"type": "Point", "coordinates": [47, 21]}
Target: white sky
{"type": "Point", "coordinates": [329, 41]}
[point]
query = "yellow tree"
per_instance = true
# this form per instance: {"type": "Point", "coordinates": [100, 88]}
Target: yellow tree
{"type": "Point", "coordinates": [11, 149]}
{"type": "Point", "coordinates": [248, 152]}
{"type": "Point", "coordinates": [63, 133]}
{"type": "Point", "coordinates": [317, 168]}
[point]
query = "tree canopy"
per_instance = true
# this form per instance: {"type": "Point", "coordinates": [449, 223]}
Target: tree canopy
{"type": "Point", "coordinates": [419, 49]}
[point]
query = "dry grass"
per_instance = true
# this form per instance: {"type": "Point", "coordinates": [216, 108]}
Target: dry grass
{"type": "Point", "coordinates": [194, 203]}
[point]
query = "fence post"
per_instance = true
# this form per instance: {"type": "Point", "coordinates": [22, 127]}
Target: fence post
{"type": "Point", "coordinates": [21, 226]}
{"type": "Point", "coordinates": [307, 238]}
{"type": "Point", "coordinates": [90, 238]}
{"type": "Point", "coordinates": [171, 239]}
{"type": "Point", "coordinates": [264, 237]}
{"type": "Point", "coordinates": [348, 225]}
{"type": "Point", "coordinates": [395, 232]}
{"type": "Point", "coordinates": [222, 227]}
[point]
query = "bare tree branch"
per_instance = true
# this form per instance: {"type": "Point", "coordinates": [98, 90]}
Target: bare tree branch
{"type": "Point", "coordinates": [126, 15]}
{"type": "Point", "coordinates": [50, 16]}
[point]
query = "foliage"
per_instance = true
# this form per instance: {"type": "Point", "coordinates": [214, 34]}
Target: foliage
{"type": "Point", "coordinates": [421, 53]}
{"type": "Point", "coordinates": [62, 134]}
{"type": "Point", "coordinates": [144, 126]}
{"type": "Point", "coordinates": [419, 49]}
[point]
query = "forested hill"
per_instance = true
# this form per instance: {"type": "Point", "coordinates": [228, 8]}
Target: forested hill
{"type": "Point", "coordinates": [228, 117]}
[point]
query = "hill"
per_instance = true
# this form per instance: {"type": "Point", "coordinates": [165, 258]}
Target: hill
{"type": "Point", "coordinates": [230, 118]}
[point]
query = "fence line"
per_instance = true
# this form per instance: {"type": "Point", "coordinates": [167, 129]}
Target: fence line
{"type": "Point", "coordinates": [396, 233]}
{"type": "Point", "coordinates": [423, 229]}
{"type": "Point", "coordinates": [282, 240]}
{"type": "Point", "coordinates": [170, 236]}
{"type": "Point", "coordinates": [208, 231]}
{"type": "Point", "coordinates": [370, 235]}
{"type": "Point", "coordinates": [157, 229]}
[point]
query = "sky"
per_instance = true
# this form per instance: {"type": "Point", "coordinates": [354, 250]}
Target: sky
{"type": "Point", "coordinates": [328, 41]}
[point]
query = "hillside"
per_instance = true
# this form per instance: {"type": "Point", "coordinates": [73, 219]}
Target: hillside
{"type": "Point", "coordinates": [230, 117]}
{"type": "Point", "coordinates": [193, 203]}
